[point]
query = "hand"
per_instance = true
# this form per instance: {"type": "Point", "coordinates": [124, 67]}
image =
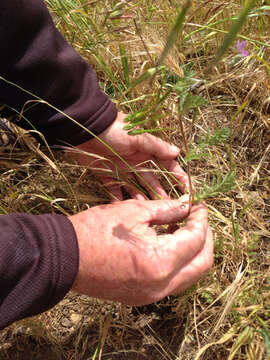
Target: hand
{"type": "Point", "coordinates": [135, 150]}
{"type": "Point", "coordinates": [123, 259]}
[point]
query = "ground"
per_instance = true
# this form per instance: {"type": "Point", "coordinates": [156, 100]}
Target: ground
{"type": "Point", "coordinates": [226, 315]}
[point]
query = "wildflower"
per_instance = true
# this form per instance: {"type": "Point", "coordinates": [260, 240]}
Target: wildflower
{"type": "Point", "coordinates": [240, 46]}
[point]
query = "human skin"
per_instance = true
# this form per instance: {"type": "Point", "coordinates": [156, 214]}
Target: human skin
{"type": "Point", "coordinates": [121, 256]}
{"type": "Point", "coordinates": [135, 150]}
{"type": "Point", "coordinates": [123, 259]}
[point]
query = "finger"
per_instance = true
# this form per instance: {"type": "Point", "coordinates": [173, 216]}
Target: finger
{"type": "Point", "coordinates": [135, 193]}
{"type": "Point", "coordinates": [158, 212]}
{"type": "Point", "coordinates": [198, 266]}
{"type": "Point", "coordinates": [188, 241]}
{"type": "Point", "coordinates": [138, 196]}
{"type": "Point", "coordinates": [113, 188]}
{"type": "Point", "coordinates": [177, 174]}
{"type": "Point", "coordinates": [152, 184]}
{"type": "Point", "coordinates": [153, 145]}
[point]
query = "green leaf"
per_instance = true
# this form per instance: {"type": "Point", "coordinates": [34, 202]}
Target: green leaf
{"type": "Point", "coordinates": [195, 154]}
{"type": "Point", "coordinates": [219, 185]}
{"type": "Point", "coordinates": [143, 131]}
{"type": "Point", "coordinates": [188, 102]}
{"type": "Point", "coordinates": [244, 338]}
{"type": "Point", "coordinates": [219, 136]}
{"type": "Point", "coordinates": [183, 85]}
{"type": "Point", "coordinates": [145, 76]}
{"type": "Point", "coordinates": [134, 124]}
{"type": "Point", "coordinates": [137, 115]}
{"type": "Point", "coordinates": [265, 335]}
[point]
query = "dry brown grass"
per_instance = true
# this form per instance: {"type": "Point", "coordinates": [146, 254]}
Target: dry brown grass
{"type": "Point", "coordinates": [226, 315]}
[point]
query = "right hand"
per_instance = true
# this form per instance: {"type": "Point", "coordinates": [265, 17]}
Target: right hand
{"type": "Point", "coordinates": [139, 152]}
{"type": "Point", "coordinates": [123, 259]}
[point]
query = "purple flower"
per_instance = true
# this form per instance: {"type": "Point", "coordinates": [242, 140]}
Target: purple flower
{"type": "Point", "coordinates": [240, 46]}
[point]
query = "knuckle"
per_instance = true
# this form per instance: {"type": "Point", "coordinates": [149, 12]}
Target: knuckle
{"type": "Point", "coordinates": [210, 261]}
{"type": "Point", "coordinates": [161, 276]}
{"type": "Point", "coordinates": [207, 263]}
{"type": "Point", "coordinates": [199, 234]}
{"type": "Point", "coordinates": [157, 273]}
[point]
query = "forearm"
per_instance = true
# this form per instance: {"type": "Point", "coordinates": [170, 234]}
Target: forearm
{"type": "Point", "coordinates": [35, 57]}
{"type": "Point", "coordinates": [38, 264]}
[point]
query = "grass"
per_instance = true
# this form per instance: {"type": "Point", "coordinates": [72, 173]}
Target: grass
{"type": "Point", "coordinates": [226, 315]}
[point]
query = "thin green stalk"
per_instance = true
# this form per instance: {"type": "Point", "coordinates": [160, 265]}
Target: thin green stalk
{"type": "Point", "coordinates": [203, 27]}
{"type": "Point", "coordinates": [188, 163]}
{"type": "Point", "coordinates": [175, 32]}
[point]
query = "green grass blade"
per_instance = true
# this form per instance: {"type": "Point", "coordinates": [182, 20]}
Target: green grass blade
{"type": "Point", "coordinates": [235, 28]}
{"type": "Point", "coordinates": [150, 131]}
{"type": "Point", "coordinates": [174, 32]}
{"type": "Point", "coordinates": [125, 65]}
{"type": "Point", "coordinates": [243, 339]}
{"type": "Point", "coordinates": [148, 74]}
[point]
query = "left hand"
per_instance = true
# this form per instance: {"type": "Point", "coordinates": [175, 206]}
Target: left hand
{"type": "Point", "coordinates": [122, 258]}
{"type": "Point", "coordinates": [136, 151]}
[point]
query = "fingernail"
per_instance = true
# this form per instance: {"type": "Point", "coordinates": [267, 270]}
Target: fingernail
{"type": "Point", "coordinates": [185, 198]}
{"type": "Point", "coordinates": [174, 148]}
{"type": "Point", "coordinates": [183, 206]}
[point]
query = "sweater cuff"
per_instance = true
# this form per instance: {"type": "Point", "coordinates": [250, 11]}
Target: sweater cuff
{"type": "Point", "coordinates": [38, 265]}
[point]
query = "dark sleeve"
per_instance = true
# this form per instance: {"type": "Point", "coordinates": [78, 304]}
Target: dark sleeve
{"type": "Point", "coordinates": [35, 57]}
{"type": "Point", "coordinates": [38, 263]}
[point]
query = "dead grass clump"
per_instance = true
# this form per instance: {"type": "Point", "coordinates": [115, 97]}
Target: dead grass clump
{"type": "Point", "coordinates": [225, 315]}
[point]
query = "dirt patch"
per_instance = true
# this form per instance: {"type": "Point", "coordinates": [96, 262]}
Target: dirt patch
{"type": "Point", "coordinates": [78, 326]}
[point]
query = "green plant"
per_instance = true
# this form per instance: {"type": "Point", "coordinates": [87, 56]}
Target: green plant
{"type": "Point", "coordinates": [120, 52]}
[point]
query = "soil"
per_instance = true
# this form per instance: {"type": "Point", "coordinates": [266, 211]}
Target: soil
{"type": "Point", "coordinates": [79, 325]}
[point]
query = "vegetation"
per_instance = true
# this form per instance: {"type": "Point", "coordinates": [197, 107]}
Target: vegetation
{"type": "Point", "coordinates": [196, 74]}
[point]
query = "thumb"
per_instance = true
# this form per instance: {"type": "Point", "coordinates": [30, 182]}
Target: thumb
{"type": "Point", "coordinates": [154, 146]}
{"type": "Point", "coordinates": [167, 211]}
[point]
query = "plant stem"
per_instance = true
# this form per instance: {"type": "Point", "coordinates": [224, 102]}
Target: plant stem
{"type": "Point", "coordinates": [188, 164]}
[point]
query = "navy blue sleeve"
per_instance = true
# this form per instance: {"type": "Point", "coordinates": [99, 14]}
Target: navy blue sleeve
{"type": "Point", "coordinates": [35, 57]}
{"type": "Point", "coordinates": [39, 259]}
